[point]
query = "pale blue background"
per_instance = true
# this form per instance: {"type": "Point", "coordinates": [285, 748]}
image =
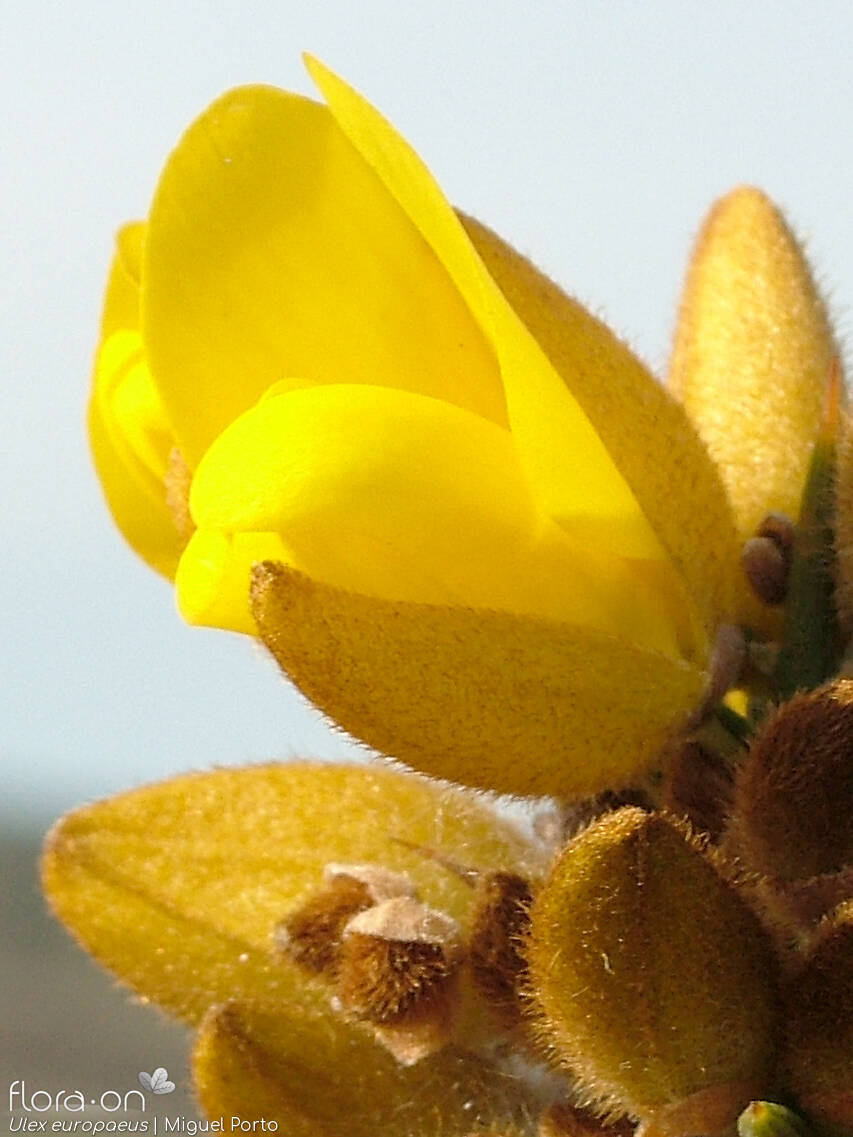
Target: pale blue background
{"type": "Point", "coordinates": [593, 135]}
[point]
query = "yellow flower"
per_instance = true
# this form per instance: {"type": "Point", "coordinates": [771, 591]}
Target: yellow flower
{"type": "Point", "coordinates": [493, 546]}
{"type": "Point", "coordinates": [475, 531]}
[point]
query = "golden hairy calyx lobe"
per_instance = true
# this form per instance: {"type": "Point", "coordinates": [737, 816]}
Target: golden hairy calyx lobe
{"type": "Point", "coordinates": [491, 699]}
{"type": "Point", "coordinates": [651, 977]}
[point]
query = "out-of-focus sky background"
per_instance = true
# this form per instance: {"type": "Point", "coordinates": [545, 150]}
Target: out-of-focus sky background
{"type": "Point", "coordinates": [593, 135]}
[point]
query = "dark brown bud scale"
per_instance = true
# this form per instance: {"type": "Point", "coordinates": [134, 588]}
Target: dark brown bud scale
{"type": "Point", "coordinates": [497, 942]}
{"type": "Point", "coordinates": [698, 787]}
{"type": "Point", "coordinates": [311, 936]}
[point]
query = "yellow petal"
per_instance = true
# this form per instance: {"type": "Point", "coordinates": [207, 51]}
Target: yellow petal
{"type": "Point", "coordinates": [121, 304]}
{"type": "Point", "coordinates": [212, 578]}
{"type": "Point", "coordinates": [177, 887]}
{"type": "Point", "coordinates": [656, 446]}
{"type": "Point", "coordinates": [315, 1082]}
{"type": "Point", "coordinates": [512, 703]}
{"type": "Point", "coordinates": [575, 479]}
{"type": "Point", "coordinates": [752, 354]}
{"type": "Point", "coordinates": [404, 497]}
{"type": "Point", "coordinates": [273, 250]}
{"type": "Point", "coordinates": [130, 442]}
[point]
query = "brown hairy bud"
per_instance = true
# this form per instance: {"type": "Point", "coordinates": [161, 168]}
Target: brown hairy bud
{"type": "Point", "coordinates": [496, 945]}
{"type": "Point", "coordinates": [819, 1024]}
{"type": "Point", "coordinates": [398, 972]}
{"type": "Point", "coordinates": [698, 786]}
{"type": "Point", "coordinates": [396, 959]}
{"type": "Point", "coordinates": [311, 936]}
{"type": "Point", "coordinates": [793, 797]}
{"type": "Point", "coordinates": [650, 978]}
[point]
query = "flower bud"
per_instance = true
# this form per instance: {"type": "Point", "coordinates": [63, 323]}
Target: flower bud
{"type": "Point", "coordinates": [819, 1024]}
{"type": "Point", "coordinates": [652, 980]}
{"type": "Point", "coordinates": [395, 957]}
{"type": "Point", "coordinates": [793, 795]}
{"type": "Point", "coordinates": [311, 936]}
{"type": "Point", "coordinates": [397, 971]}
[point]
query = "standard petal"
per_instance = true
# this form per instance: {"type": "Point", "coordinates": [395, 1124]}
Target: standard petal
{"type": "Point", "coordinates": [510, 703]}
{"type": "Point", "coordinates": [575, 478]}
{"type": "Point", "coordinates": [316, 1082]}
{"type": "Point", "coordinates": [131, 442]}
{"type": "Point", "coordinates": [273, 250]}
{"type": "Point", "coordinates": [401, 496]}
{"type": "Point", "coordinates": [121, 303]}
{"type": "Point", "coordinates": [752, 354]}
{"type": "Point", "coordinates": [176, 888]}
{"type": "Point", "coordinates": [648, 433]}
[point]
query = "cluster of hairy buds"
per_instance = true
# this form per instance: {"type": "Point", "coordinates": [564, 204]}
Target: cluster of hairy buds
{"type": "Point", "coordinates": [687, 960]}
{"type": "Point", "coordinates": [406, 969]}
{"type": "Point", "coordinates": [677, 963]}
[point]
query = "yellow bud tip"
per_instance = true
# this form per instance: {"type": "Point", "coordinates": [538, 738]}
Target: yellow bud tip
{"type": "Point", "coordinates": [768, 1119]}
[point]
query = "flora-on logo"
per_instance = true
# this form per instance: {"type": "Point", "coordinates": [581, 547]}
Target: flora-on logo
{"type": "Point", "coordinates": [158, 1082]}
{"type": "Point", "coordinates": [68, 1101]}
